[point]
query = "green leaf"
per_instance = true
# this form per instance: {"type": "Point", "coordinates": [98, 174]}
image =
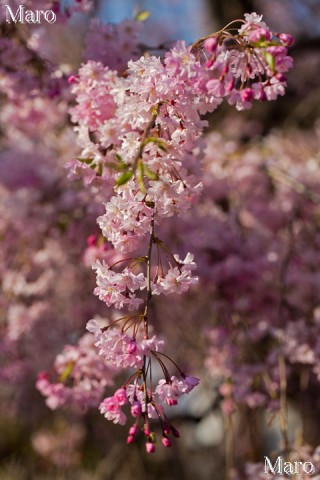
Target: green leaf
{"type": "Point", "coordinates": [270, 61]}
{"type": "Point", "coordinates": [85, 160]}
{"type": "Point", "coordinates": [140, 172]}
{"type": "Point", "coordinates": [100, 170]}
{"type": "Point", "coordinates": [124, 178]}
{"type": "Point", "coordinates": [142, 16]}
{"type": "Point", "coordinates": [150, 174]}
{"type": "Point", "coordinates": [67, 372]}
{"type": "Point", "coordinates": [161, 144]}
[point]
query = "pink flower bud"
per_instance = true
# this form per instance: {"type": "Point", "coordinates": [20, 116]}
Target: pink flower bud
{"type": "Point", "coordinates": [136, 409]}
{"type": "Point", "coordinates": [72, 79]}
{"type": "Point", "coordinates": [166, 442]}
{"type": "Point", "coordinates": [146, 431]}
{"type": "Point", "coordinates": [132, 346]}
{"type": "Point", "coordinates": [171, 402]}
{"type": "Point", "coordinates": [92, 240]}
{"type": "Point", "coordinates": [130, 439]}
{"type": "Point", "coordinates": [211, 44]}
{"type": "Point", "coordinates": [281, 77]}
{"type": "Point", "coordinates": [133, 430]}
{"type": "Point", "coordinates": [150, 448]}
{"type": "Point", "coordinates": [247, 95]}
{"type": "Point", "coordinates": [43, 376]}
{"type": "Point", "coordinates": [209, 63]}
{"type": "Point", "coordinates": [286, 39]}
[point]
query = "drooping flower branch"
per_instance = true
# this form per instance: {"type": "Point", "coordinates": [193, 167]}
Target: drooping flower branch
{"type": "Point", "coordinates": [140, 137]}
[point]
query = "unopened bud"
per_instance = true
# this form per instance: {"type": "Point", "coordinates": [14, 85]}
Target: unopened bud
{"type": "Point", "coordinates": [247, 95]}
{"type": "Point", "coordinates": [132, 346]}
{"type": "Point", "coordinates": [72, 79]}
{"type": "Point", "coordinates": [133, 430]}
{"type": "Point", "coordinates": [286, 39]}
{"type": "Point", "coordinates": [166, 442]}
{"type": "Point", "coordinates": [130, 439]}
{"type": "Point", "coordinates": [281, 77]}
{"type": "Point", "coordinates": [150, 448]}
{"type": "Point", "coordinates": [211, 44]}
{"type": "Point", "coordinates": [136, 408]}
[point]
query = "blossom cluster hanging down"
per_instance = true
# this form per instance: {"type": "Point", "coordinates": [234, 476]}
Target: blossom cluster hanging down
{"type": "Point", "coordinates": [140, 137]}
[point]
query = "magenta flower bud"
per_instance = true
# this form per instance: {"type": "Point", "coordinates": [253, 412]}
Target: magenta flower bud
{"type": "Point", "coordinates": [211, 44]}
{"type": "Point", "coordinates": [132, 346]}
{"type": "Point", "coordinates": [286, 39]}
{"type": "Point", "coordinates": [43, 376]}
{"type": "Point", "coordinates": [171, 402]}
{"type": "Point", "coordinates": [133, 430]}
{"type": "Point", "coordinates": [150, 448]}
{"type": "Point", "coordinates": [136, 408]}
{"type": "Point", "coordinates": [281, 77]}
{"type": "Point", "coordinates": [247, 95]}
{"type": "Point", "coordinates": [146, 431]}
{"type": "Point", "coordinates": [72, 79]}
{"type": "Point", "coordinates": [130, 439]}
{"type": "Point", "coordinates": [92, 240]}
{"type": "Point", "coordinates": [166, 442]}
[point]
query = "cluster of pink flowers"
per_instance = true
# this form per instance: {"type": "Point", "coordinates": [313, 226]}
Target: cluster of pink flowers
{"type": "Point", "coordinates": [140, 135]}
{"type": "Point", "coordinates": [82, 377]}
{"type": "Point", "coordinates": [129, 348]}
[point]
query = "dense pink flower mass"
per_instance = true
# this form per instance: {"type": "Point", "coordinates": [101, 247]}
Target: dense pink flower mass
{"type": "Point", "coordinates": [140, 133]}
{"type": "Point", "coordinates": [87, 371]}
{"type": "Point", "coordinates": [139, 128]}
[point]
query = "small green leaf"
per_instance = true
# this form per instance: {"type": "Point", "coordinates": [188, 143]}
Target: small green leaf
{"type": "Point", "coordinates": [142, 16]}
{"type": "Point", "coordinates": [161, 144]}
{"type": "Point", "coordinates": [85, 160]}
{"type": "Point", "coordinates": [124, 178]}
{"type": "Point", "coordinates": [270, 61]}
{"type": "Point", "coordinates": [150, 174]}
{"type": "Point", "coordinates": [67, 372]}
{"type": "Point", "coordinates": [140, 172]}
{"type": "Point", "coordinates": [100, 170]}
